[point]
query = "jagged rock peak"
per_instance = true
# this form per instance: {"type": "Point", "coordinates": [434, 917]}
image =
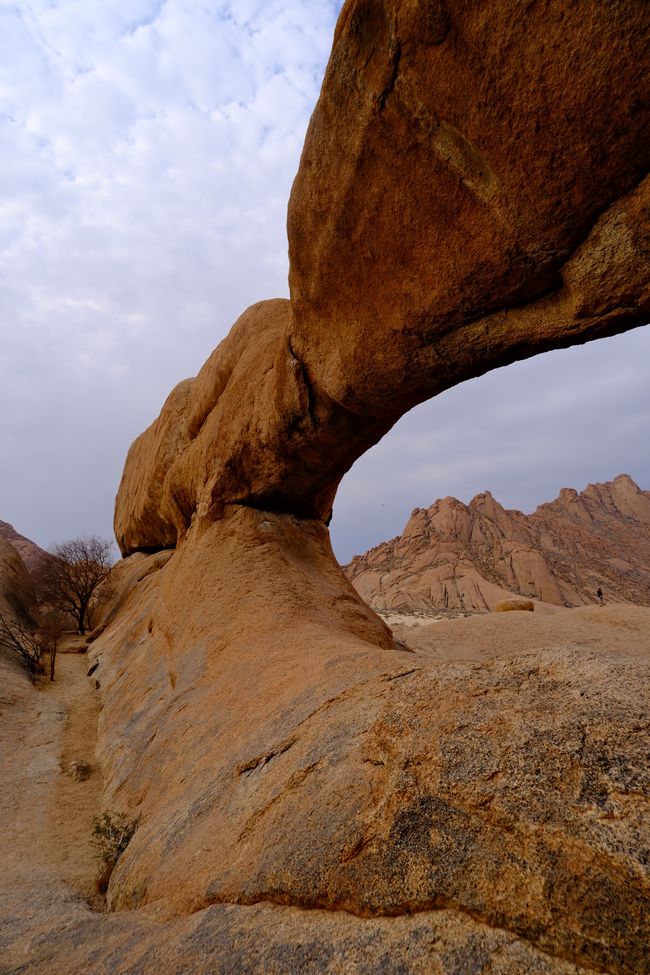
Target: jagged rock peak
{"type": "Point", "coordinates": [453, 555]}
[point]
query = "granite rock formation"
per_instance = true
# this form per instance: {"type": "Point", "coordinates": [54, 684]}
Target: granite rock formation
{"type": "Point", "coordinates": [454, 555]}
{"type": "Point", "coordinates": [471, 191]}
{"type": "Point", "coordinates": [29, 551]}
{"type": "Point", "coordinates": [487, 204]}
{"type": "Point", "coordinates": [16, 587]}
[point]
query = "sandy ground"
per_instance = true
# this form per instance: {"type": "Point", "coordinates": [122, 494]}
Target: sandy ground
{"type": "Point", "coordinates": [409, 619]}
{"type": "Point", "coordinates": [623, 629]}
{"type": "Point", "coordinates": [74, 803]}
{"type": "Point", "coordinates": [46, 815]}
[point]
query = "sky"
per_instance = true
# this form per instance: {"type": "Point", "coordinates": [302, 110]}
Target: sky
{"type": "Point", "coordinates": [148, 149]}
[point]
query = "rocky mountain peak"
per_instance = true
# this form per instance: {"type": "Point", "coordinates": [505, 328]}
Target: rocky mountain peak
{"type": "Point", "coordinates": [453, 555]}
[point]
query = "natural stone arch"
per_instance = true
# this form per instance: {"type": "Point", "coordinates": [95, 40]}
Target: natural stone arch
{"type": "Point", "coordinates": [454, 227]}
{"type": "Point", "coordinates": [472, 191]}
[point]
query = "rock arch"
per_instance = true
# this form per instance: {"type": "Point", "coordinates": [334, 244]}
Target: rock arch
{"type": "Point", "coordinates": [472, 191]}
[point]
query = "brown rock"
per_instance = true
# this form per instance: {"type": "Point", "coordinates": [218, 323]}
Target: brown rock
{"type": "Point", "coordinates": [16, 587]}
{"type": "Point", "coordinates": [29, 551]}
{"type": "Point", "coordinates": [459, 556]}
{"type": "Point", "coordinates": [139, 519]}
{"type": "Point", "coordinates": [350, 778]}
{"type": "Point", "coordinates": [79, 771]}
{"type": "Point", "coordinates": [486, 220]}
{"type": "Point", "coordinates": [258, 939]}
{"type": "Point", "coordinates": [514, 605]}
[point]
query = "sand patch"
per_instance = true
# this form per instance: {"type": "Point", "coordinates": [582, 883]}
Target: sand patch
{"type": "Point", "coordinates": [618, 628]}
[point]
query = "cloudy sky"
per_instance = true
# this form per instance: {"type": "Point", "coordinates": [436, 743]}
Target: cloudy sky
{"type": "Point", "coordinates": [148, 149]}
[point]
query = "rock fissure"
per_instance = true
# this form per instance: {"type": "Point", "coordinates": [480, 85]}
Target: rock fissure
{"type": "Point", "coordinates": [387, 90]}
{"type": "Point", "coordinates": [434, 905]}
{"type": "Point", "coordinates": [247, 768]}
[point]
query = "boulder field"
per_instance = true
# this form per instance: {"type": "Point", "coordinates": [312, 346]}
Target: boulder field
{"type": "Point", "coordinates": [314, 796]}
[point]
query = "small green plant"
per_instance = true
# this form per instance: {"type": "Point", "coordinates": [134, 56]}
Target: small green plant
{"type": "Point", "coordinates": [112, 833]}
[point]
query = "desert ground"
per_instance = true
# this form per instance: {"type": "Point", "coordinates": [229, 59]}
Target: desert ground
{"type": "Point", "coordinates": [480, 636]}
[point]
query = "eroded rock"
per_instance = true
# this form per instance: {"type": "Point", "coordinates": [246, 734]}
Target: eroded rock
{"type": "Point", "coordinates": [486, 204]}
{"type": "Point", "coordinates": [281, 757]}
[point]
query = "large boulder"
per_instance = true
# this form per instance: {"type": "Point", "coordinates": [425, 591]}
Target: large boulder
{"type": "Point", "coordinates": [276, 752]}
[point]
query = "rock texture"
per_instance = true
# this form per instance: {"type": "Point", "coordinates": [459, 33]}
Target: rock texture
{"type": "Point", "coordinates": [327, 772]}
{"type": "Point", "coordinates": [261, 939]}
{"type": "Point", "coordinates": [16, 588]}
{"type": "Point", "coordinates": [471, 556]}
{"type": "Point", "coordinates": [502, 795]}
{"type": "Point", "coordinates": [29, 551]}
{"type": "Point", "coordinates": [490, 200]}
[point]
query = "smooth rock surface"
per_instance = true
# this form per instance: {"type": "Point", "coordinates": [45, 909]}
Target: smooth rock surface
{"type": "Point", "coordinates": [490, 199]}
{"type": "Point", "coordinates": [513, 790]}
{"type": "Point", "coordinates": [16, 587]}
{"type": "Point", "coordinates": [29, 551]}
{"type": "Point", "coordinates": [472, 191]}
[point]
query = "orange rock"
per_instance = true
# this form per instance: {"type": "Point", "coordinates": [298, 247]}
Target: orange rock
{"type": "Point", "coordinates": [277, 749]}
{"type": "Point", "coordinates": [486, 203]}
{"type": "Point", "coordinates": [514, 605]}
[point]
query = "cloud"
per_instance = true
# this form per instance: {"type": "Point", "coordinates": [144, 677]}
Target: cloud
{"type": "Point", "coordinates": [148, 150]}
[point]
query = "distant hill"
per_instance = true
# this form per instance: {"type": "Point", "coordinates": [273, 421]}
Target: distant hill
{"type": "Point", "coordinates": [454, 555]}
{"type": "Point", "coordinates": [29, 551]}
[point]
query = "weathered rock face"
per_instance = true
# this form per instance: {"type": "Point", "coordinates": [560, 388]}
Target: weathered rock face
{"type": "Point", "coordinates": [249, 429]}
{"type": "Point", "coordinates": [289, 755]}
{"type": "Point", "coordinates": [16, 587]}
{"type": "Point", "coordinates": [468, 156]}
{"type": "Point", "coordinates": [29, 551]}
{"type": "Point", "coordinates": [454, 555]}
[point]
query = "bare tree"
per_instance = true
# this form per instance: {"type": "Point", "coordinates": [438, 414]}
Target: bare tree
{"type": "Point", "coordinates": [20, 639]}
{"type": "Point", "coordinates": [71, 579]}
{"type": "Point", "coordinates": [48, 634]}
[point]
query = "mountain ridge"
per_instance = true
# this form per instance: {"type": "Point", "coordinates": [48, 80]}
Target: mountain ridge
{"type": "Point", "coordinates": [468, 556]}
